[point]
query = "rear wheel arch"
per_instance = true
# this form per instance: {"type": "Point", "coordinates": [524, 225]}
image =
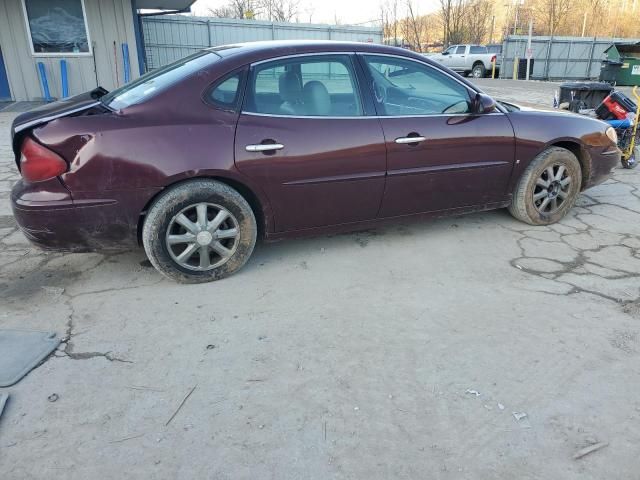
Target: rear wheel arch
{"type": "Point", "coordinates": [247, 193]}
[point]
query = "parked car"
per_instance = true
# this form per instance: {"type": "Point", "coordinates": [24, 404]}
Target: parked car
{"type": "Point", "coordinates": [196, 160]}
{"type": "Point", "coordinates": [468, 59]}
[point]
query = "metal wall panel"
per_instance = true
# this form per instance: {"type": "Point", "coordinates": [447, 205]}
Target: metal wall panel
{"type": "Point", "coordinates": [108, 21]}
{"type": "Point", "coordinates": [171, 37]}
{"type": "Point", "coordinates": [558, 58]}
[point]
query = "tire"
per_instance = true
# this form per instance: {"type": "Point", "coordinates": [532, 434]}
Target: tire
{"type": "Point", "coordinates": [529, 209]}
{"type": "Point", "coordinates": [632, 161]}
{"type": "Point", "coordinates": [478, 71]}
{"type": "Point", "coordinates": [235, 235]}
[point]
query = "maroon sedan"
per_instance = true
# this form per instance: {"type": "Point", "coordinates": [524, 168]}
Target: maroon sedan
{"type": "Point", "coordinates": [199, 158]}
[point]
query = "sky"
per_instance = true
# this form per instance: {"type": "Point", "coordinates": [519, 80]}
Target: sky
{"type": "Point", "coordinates": [325, 11]}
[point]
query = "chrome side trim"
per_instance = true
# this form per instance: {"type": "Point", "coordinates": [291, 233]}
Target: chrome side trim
{"type": "Point", "coordinates": [445, 168]}
{"type": "Point", "coordinates": [317, 117]}
{"type": "Point", "coordinates": [337, 178]}
{"type": "Point", "coordinates": [611, 152]}
{"type": "Point", "coordinates": [295, 55]}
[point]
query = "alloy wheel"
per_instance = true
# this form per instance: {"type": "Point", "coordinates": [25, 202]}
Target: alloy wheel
{"type": "Point", "coordinates": [202, 236]}
{"type": "Point", "coordinates": [551, 189]}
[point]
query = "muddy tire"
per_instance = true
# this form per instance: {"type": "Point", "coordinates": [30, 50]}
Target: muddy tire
{"type": "Point", "coordinates": [199, 231]}
{"type": "Point", "coordinates": [548, 188]}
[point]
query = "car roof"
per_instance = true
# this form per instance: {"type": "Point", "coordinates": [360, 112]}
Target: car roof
{"type": "Point", "coordinates": [275, 48]}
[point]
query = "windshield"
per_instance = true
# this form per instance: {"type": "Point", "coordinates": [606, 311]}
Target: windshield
{"type": "Point", "coordinates": [157, 80]}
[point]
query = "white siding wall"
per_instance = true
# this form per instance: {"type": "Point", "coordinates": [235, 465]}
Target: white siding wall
{"type": "Point", "coordinates": [108, 21]}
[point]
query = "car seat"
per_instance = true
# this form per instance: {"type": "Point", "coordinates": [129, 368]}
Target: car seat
{"type": "Point", "coordinates": [290, 89]}
{"type": "Point", "coordinates": [316, 98]}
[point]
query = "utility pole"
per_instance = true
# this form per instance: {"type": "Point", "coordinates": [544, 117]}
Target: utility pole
{"type": "Point", "coordinates": [529, 52]}
{"type": "Point", "coordinates": [515, 22]}
{"type": "Point", "coordinates": [493, 24]}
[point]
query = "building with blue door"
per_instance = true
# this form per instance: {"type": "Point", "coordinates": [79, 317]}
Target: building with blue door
{"type": "Point", "coordinates": [53, 48]}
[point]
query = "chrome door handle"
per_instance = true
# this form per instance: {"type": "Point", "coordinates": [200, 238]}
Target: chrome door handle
{"type": "Point", "coordinates": [264, 147]}
{"type": "Point", "coordinates": [410, 139]}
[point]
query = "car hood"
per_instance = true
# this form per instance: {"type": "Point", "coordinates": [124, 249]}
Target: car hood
{"type": "Point", "coordinates": [58, 109]}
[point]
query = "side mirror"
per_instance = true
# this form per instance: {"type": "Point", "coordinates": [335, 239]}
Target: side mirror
{"type": "Point", "coordinates": [484, 104]}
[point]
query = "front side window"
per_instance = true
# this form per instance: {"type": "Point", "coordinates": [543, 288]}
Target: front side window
{"type": "Point", "coordinates": [57, 26]}
{"type": "Point", "coordinates": [321, 85]}
{"type": "Point", "coordinates": [405, 87]}
{"type": "Point", "coordinates": [460, 50]}
{"type": "Point", "coordinates": [155, 81]}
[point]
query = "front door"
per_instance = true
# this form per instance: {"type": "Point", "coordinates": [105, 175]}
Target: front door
{"type": "Point", "coordinates": [440, 155]}
{"type": "Point", "coordinates": [303, 136]}
{"type": "Point", "coordinates": [458, 59]}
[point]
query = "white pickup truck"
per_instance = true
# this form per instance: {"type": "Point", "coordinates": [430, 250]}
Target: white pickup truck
{"type": "Point", "coordinates": [468, 59]}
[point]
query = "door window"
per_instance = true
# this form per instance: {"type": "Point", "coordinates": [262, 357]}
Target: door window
{"type": "Point", "coordinates": [404, 87]}
{"type": "Point", "coordinates": [460, 50]}
{"type": "Point", "coordinates": [305, 86]}
{"type": "Point", "coordinates": [225, 93]}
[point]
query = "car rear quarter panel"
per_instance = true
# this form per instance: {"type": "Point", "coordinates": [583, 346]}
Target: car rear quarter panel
{"type": "Point", "coordinates": [537, 130]}
{"type": "Point", "coordinates": [130, 156]}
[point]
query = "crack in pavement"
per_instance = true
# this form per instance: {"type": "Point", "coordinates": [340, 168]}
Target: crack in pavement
{"type": "Point", "coordinates": [581, 253]}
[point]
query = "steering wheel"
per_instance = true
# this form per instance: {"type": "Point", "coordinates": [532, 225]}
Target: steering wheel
{"type": "Point", "coordinates": [380, 92]}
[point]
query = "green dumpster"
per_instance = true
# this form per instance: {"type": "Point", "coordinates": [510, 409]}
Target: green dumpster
{"type": "Point", "coordinates": [627, 56]}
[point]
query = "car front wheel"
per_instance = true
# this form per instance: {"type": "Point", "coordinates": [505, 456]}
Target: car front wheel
{"type": "Point", "coordinates": [548, 188]}
{"type": "Point", "coordinates": [199, 231]}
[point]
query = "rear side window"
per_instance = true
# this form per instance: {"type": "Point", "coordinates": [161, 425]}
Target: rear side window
{"type": "Point", "coordinates": [225, 94]}
{"type": "Point", "coordinates": [158, 80]}
{"type": "Point", "coordinates": [321, 85]}
{"type": "Point", "coordinates": [477, 49]}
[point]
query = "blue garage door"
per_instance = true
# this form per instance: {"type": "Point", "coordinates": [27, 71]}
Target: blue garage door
{"type": "Point", "coordinates": [5, 94]}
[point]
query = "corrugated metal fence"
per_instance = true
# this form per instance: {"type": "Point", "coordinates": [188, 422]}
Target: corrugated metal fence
{"type": "Point", "coordinates": [171, 37]}
{"type": "Point", "coordinates": [558, 57]}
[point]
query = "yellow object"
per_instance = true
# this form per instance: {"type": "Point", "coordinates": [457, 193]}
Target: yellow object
{"type": "Point", "coordinates": [629, 150]}
{"type": "Point", "coordinates": [493, 68]}
{"type": "Point", "coordinates": [516, 62]}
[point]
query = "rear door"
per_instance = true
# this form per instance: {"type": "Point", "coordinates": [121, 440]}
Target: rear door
{"type": "Point", "coordinates": [303, 136]}
{"type": "Point", "coordinates": [440, 155]}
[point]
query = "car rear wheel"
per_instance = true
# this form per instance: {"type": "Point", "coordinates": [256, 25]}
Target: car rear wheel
{"type": "Point", "coordinates": [478, 71]}
{"type": "Point", "coordinates": [199, 231]}
{"type": "Point", "coordinates": [548, 187]}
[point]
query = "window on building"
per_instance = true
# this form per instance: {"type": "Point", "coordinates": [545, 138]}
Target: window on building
{"type": "Point", "coordinates": [57, 26]}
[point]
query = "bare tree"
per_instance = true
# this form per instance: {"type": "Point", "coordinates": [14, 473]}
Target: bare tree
{"type": "Point", "coordinates": [478, 20]}
{"type": "Point", "coordinates": [390, 20]}
{"type": "Point", "coordinates": [551, 14]}
{"type": "Point", "coordinates": [415, 27]}
{"type": "Point", "coordinates": [237, 9]}
{"type": "Point", "coordinates": [281, 10]}
{"type": "Point", "coordinates": [452, 17]}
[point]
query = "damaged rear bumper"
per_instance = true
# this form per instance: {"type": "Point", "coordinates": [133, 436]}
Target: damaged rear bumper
{"type": "Point", "coordinates": [52, 220]}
